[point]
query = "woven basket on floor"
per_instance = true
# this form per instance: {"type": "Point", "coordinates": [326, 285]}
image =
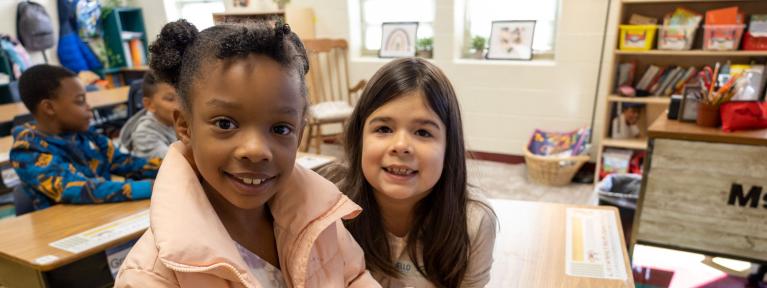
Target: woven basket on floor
{"type": "Point", "coordinates": [552, 171]}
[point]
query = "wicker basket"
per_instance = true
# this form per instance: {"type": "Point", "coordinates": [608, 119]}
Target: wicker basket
{"type": "Point", "coordinates": [552, 171]}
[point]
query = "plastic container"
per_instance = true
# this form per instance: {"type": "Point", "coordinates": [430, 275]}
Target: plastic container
{"type": "Point", "coordinates": [754, 42]}
{"type": "Point", "coordinates": [637, 37]}
{"type": "Point", "coordinates": [722, 37]}
{"type": "Point", "coordinates": [676, 37]}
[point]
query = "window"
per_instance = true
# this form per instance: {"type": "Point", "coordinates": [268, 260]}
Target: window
{"type": "Point", "coordinates": [199, 12]}
{"type": "Point", "coordinates": [375, 12]}
{"type": "Point", "coordinates": [481, 13]}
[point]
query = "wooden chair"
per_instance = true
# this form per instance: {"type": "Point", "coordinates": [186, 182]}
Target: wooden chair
{"type": "Point", "coordinates": [331, 96]}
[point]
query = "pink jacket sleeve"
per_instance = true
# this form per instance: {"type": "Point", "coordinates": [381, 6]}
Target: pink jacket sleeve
{"type": "Point", "coordinates": [355, 273]}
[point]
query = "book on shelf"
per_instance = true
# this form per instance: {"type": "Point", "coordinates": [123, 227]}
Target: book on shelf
{"type": "Point", "coordinates": [665, 80]}
{"type": "Point", "coordinates": [662, 81]}
{"type": "Point", "coordinates": [649, 76]}
{"type": "Point", "coordinates": [626, 72]}
{"type": "Point", "coordinates": [127, 55]}
{"type": "Point", "coordinates": [138, 56]}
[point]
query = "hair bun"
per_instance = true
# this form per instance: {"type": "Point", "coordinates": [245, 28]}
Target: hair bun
{"type": "Point", "coordinates": [167, 51]}
{"type": "Point", "coordinates": [282, 29]}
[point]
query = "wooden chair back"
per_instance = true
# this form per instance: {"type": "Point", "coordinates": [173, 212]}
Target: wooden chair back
{"type": "Point", "coordinates": [328, 77]}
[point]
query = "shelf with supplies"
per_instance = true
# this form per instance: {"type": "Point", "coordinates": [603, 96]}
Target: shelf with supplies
{"type": "Point", "coordinates": [694, 53]}
{"type": "Point", "coordinates": [644, 100]}
{"type": "Point", "coordinates": [660, 50]}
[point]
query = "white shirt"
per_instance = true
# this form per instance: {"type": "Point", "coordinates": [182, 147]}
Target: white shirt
{"type": "Point", "coordinates": [266, 274]}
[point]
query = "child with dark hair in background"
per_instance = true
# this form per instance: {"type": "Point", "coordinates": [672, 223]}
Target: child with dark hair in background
{"type": "Point", "coordinates": [57, 159]}
{"type": "Point", "coordinates": [150, 132]}
{"type": "Point", "coordinates": [230, 206]}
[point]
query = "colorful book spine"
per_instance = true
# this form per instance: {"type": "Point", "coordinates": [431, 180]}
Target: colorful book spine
{"type": "Point", "coordinates": [137, 52]}
{"type": "Point", "coordinates": [127, 54]}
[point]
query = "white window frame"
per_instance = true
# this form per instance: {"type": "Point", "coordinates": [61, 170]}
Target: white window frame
{"type": "Point", "coordinates": [364, 51]}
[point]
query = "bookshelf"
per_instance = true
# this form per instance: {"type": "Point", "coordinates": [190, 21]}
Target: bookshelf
{"type": "Point", "coordinates": [656, 106]}
{"type": "Point", "coordinates": [125, 40]}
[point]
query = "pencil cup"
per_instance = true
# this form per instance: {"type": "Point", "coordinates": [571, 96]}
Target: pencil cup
{"type": "Point", "coordinates": [708, 115]}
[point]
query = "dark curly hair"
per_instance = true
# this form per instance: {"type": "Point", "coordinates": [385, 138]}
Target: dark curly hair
{"type": "Point", "coordinates": [180, 51]}
{"type": "Point", "coordinates": [40, 82]}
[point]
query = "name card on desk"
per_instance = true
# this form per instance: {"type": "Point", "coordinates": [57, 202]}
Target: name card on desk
{"type": "Point", "coordinates": [593, 246]}
{"type": "Point", "coordinates": [108, 232]}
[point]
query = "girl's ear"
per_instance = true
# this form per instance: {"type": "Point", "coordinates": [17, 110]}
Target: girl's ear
{"type": "Point", "coordinates": [181, 124]}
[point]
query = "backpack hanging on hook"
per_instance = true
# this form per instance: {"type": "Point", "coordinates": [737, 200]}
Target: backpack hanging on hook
{"type": "Point", "coordinates": [34, 27]}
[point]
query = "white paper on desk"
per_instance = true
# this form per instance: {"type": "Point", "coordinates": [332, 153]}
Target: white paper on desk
{"type": "Point", "coordinates": [4, 157]}
{"type": "Point", "coordinates": [593, 245]}
{"type": "Point", "coordinates": [108, 232]}
{"type": "Point", "coordinates": [312, 162]}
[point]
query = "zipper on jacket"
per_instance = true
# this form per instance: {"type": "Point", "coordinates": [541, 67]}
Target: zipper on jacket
{"type": "Point", "coordinates": [305, 235]}
{"type": "Point", "coordinates": [193, 269]}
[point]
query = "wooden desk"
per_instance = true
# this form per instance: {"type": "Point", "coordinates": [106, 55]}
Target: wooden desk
{"type": "Point", "coordinates": [95, 99]}
{"type": "Point", "coordinates": [27, 238]}
{"type": "Point", "coordinates": [530, 248]}
{"type": "Point", "coordinates": [672, 129]}
{"type": "Point", "coordinates": [702, 191]}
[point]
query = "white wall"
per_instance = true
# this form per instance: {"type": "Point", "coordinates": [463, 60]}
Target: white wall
{"type": "Point", "coordinates": [8, 25]}
{"type": "Point", "coordinates": [502, 102]}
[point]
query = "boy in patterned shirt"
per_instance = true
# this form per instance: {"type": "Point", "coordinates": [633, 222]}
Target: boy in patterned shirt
{"type": "Point", "coordinates": [58, 159]}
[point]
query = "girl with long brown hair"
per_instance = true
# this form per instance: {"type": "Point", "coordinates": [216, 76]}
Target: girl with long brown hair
{"type": "Point", "coordinates": [407, 169]}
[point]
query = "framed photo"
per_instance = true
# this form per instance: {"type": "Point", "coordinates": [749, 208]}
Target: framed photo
{"type": "Point", "coordinates": [688, 109]}
{"type": "Point", "coordinates": [398, 39]}
{"type": "Point", "coordinates": [511, 40]}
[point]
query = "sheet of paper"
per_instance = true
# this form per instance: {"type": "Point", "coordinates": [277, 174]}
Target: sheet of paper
{"type": "Point", "coordinates": [104, 233]}
{"type": "Point", "coordinates": [593, 245]}
{"type": "Point", "coordinates": [312, 162]}
{"type": "Point", "coordinates": [4, 157]}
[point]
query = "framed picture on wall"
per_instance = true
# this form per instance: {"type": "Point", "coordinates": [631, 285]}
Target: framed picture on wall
{"type": "Point", "coordinates": [398, 39]}
{"type": "Point", "coordinates": [688, 109]}
{"type": "Point", "coordinates": [511, 40]}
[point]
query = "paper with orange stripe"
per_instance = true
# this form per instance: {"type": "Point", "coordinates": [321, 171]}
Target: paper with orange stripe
{"type": "Point", "coordinates": [593, 244]}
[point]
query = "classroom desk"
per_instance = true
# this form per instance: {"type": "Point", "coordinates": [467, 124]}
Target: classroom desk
{"type": "Point", "coordinates": [96, 99]}
{"type": "Point", "coordinates": [531, 249]}
{"type": "Point", "coordinates": [26, 238]}
{"type": "Point", "coordinates": [703, 191]}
